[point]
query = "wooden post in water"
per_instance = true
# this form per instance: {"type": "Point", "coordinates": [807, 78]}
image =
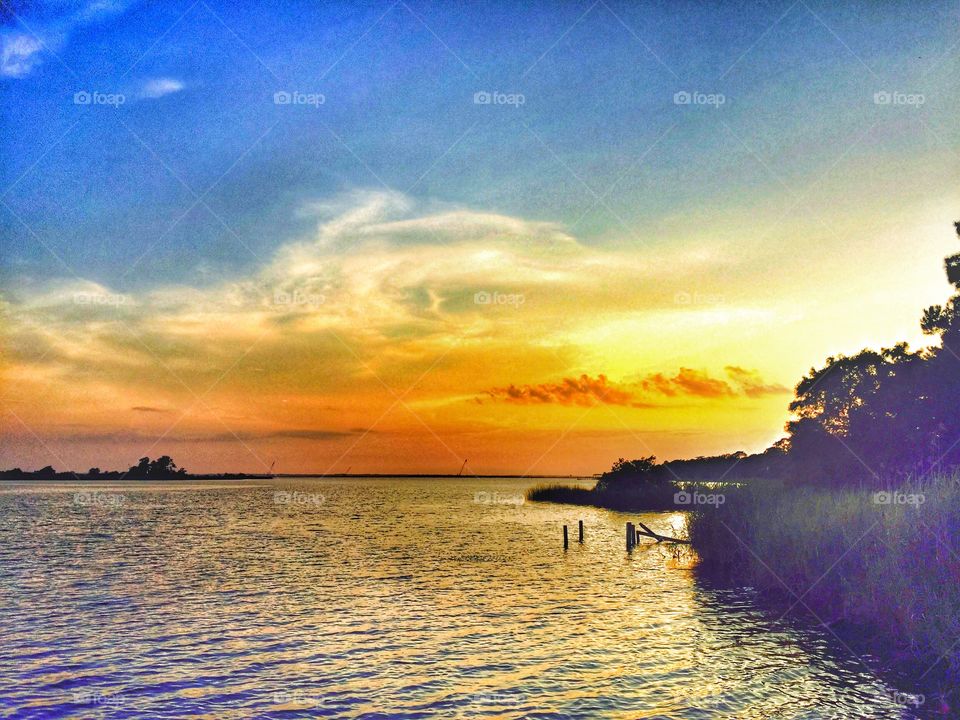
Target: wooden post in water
{"type": "Point", "coordinates": [631, 536]}
{"type": "Point", "coordinates": [566, 542]}
{"type": "Point", "coordinates": [581, 532]}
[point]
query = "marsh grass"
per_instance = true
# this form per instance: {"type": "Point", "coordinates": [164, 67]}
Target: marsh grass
{"type": "Point", "coordinates": [881, 571]}
{"type": "Point", "coordinates": [890, 570]}
{"type": "Point", "coordinates": [636, 498]}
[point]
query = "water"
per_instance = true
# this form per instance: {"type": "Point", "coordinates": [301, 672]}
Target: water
{"type": "Point", "coordinates": [408, 598]}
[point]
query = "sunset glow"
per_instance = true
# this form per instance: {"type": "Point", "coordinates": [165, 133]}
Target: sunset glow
{"type": "Point", "coordinates": [345, 285]}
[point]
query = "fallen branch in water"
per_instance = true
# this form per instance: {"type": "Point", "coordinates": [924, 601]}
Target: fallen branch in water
{"type": "Point", "coordinates": [647, 532]}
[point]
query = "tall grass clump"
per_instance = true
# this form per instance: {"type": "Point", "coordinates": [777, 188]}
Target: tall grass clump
{"type": "Point", "coordinates": [629, 486]}
{"type": "Point", "coordinates": [626, 498]}
{"type": "Point", "coordinates": [887, 562]}
{"type": "Point", "coordinates": [560, 494]}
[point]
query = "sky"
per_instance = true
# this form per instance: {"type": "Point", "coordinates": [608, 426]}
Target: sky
{"type": "Point", "coordinates": [388, 237]}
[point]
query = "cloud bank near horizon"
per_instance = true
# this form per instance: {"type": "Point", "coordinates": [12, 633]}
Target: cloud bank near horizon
{"type": "Point", "coordinates": [386, 297]}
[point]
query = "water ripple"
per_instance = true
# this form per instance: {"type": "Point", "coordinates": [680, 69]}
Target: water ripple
{"type": "Point", "coordinates": [381, 598]}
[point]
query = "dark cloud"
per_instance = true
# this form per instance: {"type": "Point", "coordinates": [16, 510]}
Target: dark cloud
{"type": "Point", "coordinates": [696, 383]}
{"type": "Point", "coordinates": [687, 383]}
{"type": "Point", "coordinates": [136, 436]}
{"type": "Point", "coordinates": [293, 433]}
{"type": "Point", "coordinates": [116, 436]}
{"type": "Point", "coordinates": [583, 391]}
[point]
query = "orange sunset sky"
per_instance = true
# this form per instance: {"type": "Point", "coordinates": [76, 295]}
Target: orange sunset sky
{"type": "Point", "coordinates": [370, 345]}
{"type": "Point", "coordinates": [347, 244]}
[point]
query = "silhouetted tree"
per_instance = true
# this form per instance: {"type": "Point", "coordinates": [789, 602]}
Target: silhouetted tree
{"type": "Point", "coordinates": [881, 414]}
{"type": "Point", "coordinates": [140, 470]}
{"type": "Point", "coordinates": [868, 418]}
{"type": "Point", "coordinates": [629, 471]}
{"type": "Point", "coordinates": [163, 468]}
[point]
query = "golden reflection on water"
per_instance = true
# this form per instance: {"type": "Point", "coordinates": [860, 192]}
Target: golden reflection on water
{"type": "Point", "coordinates": [446, 598]}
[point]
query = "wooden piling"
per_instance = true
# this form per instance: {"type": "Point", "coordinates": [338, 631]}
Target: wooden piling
{"type": "Point", "coordinates": [581, 531]}
{"type": "Point", "coordinates": [631, 536]}
{"type": "Point", "coordinates": [566, 542]}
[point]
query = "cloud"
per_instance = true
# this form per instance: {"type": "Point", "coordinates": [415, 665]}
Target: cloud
{"type": "Point", "coordinates": [752, 385]}
{"type": "Point", "coordinates": [107, 436]}
{"type": "Point", "coordinates": [687, 383]}
{"type": "Point", "coordinates": [49, 31]}
{"type": "Point", "coordinates": [114, 436]}
{"type": "Point", "coordinates": [381, 292]}
{"type": "Point", "coordinates": [308, 434]}
{"type": "Point", "coordinates": [158, 87]}
{"type": "Point", "coordinates": [584, 391]}
{"type": "Point", "coordinates": [96, 10]}
{"type": "Point", "coordinates": [412, 276]}
{"type": "Point", "coordinates": [146, 409]}
{"type": "Point", "coordinates": [19, 54]}
{"type": "Point", "coordinates": [291, 434]}
{"type": "Point", "coordinates": [696, 383]}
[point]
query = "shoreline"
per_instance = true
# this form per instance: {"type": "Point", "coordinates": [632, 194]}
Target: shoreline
{"type": "Point", "coordinates": [857, 560]}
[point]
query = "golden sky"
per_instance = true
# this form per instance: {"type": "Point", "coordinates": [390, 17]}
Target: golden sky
{"type": "Point", "coordinates": [537, 236]}
{"type": "Point", "coordinates": [398, 337]}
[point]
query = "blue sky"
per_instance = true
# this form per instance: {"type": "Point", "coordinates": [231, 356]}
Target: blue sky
{"type": "Point", "coordinates": [598, 81]}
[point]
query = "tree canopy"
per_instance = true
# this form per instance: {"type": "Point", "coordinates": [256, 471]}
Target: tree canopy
{"type": "Point", "coordinates": [865, 419]}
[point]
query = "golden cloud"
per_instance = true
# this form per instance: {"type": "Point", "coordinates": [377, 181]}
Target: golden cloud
{"type": "Point", "coordinates": [687, 383]}
{"type": "Point", "coordinates": [584, 391]}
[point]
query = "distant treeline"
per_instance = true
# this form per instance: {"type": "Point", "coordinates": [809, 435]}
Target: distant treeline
{"type": "Point", "coordinates": [163, 468]}
{"type": "Point", "coordinates": [713, 468]}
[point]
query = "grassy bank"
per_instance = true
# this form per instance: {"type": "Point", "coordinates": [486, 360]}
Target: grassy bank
{"type": "Point", "coordinates": [888, 565]}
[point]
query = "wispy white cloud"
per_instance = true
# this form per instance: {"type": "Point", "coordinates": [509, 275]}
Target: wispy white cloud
{"type": "Point", "coordinates": [19, 54]}
{"type": "Point", "coordinates": [158, 87]}
{"type": "Point", "coordinates": [400, 265]}
{"type": "Point", "coordinates": [96, 10]}
{"type": "Point", "coordinates": [21, 51]}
